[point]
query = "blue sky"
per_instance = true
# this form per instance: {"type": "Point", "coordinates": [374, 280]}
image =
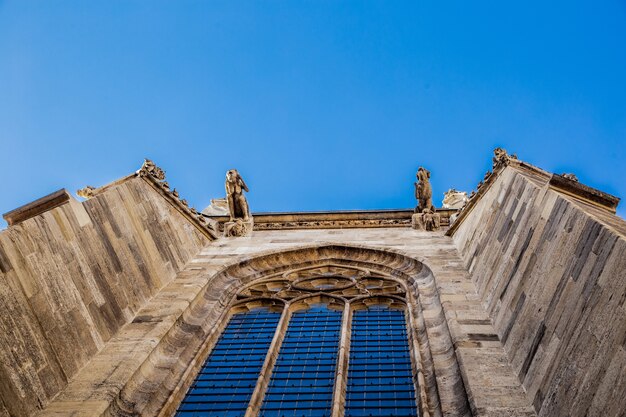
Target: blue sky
{"type": "Point", "coordinates": [321, 105]}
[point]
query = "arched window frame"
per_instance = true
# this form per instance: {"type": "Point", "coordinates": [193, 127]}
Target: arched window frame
{"type": "Point", "coordinates": [292, 282]}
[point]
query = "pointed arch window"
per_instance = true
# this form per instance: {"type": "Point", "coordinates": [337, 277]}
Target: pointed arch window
{"type": "Point", "coordinates": [324, 341]}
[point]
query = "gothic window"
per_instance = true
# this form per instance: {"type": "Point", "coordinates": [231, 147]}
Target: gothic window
{"type": "Point", "coordinates": [380, 381]}
{"type": "Point", "coordinates": [227, 379]}
{"type": "Point", "coordinates": [324, 341]}
{"type": "Point", "coordinates": [304, 374]}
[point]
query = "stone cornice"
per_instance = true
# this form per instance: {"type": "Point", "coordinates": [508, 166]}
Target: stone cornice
{"type": "Point", "coordinates": [39, 206]}
{"type": "Point", "coordinates": [155, 177]}
{"type": "Point", "coordinates": [570, 186]}
{"type": "Point", "coordinates": [336, 219]}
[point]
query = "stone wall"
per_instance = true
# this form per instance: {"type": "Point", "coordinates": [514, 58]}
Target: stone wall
{"type": "Point", "coordinates": [73, 276]}
{"type": "Point", "coordinates": [550, 270]}
{"type": "Point", "coordinates": [147, 366]}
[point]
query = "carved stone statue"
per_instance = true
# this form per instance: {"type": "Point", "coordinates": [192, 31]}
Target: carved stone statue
{"type": "Point", "coordinates": [241, 222]}
{"type": "Point", "coordinates": [425, 217]}
{"type": "Point", "coordinates": [237, 203]}
{"type": "Point", "coordinates": [423, 191]}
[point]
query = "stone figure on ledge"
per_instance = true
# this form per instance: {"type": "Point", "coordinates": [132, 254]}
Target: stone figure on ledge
{"type": "Point", "coordinates": [425, 217]}
{"type": "Point", "coordinates": [423, 190]}
{"type": "Point", "coordinates": [240, 223]}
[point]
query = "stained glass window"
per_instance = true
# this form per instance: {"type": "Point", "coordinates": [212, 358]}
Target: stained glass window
{"type": "Point", "coordinates": [380, 381]}
{"type": "Point", "coordinates": [227, 380]}
{"type": "Point", "coordinates": [301, 375]}
{"type": "Point", "coordinates": [303, 378]}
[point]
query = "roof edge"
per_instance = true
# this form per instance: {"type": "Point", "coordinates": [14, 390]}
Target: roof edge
{"type": "Point", "coordinates": [155, 177]}
{"type": "Point", "coordinates": [566, 184]}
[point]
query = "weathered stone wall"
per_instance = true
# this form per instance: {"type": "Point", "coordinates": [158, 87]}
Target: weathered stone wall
{"type": "Point", "coordinates": [551, 272]}
{"type": "Point", "coordinates": [146, 367]}
{"type": "Point", "coordinates": [72, 277]}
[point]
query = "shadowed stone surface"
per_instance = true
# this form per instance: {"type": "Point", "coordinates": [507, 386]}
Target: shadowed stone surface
{"type": "Point", "coordinates": [72, 277]}
{"type": "Point", "coordinates": [161, 352]}
{"type": "Point", "coordinates": [110, 306]}
{"type": "Point", "coordinates": [550, 270]}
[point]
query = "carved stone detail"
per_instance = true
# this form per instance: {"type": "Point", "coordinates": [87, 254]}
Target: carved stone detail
{"type": "Point", "coordinates": [238, 228]}
{"type": "Point", "coordinates": [453, 199]}
{"type": "Point", "coordinates": [423, 191]}
{"type": "Point", "coordinates": [425, 217]}
{"type": "Point", "coordinates": [427, 220]}
{"type": "Point", "coordinates": [149, 168]}
{"type": "Point", "coordinates": [333, 224]}
{"type": "Point", "coordinates": [241, 222]}
{"type": "Point", "coordinates": [156, 177]}
{"type": "Point", "coordinates": [501, 158]}
{"type": "Point", "coordinates": [570, 176]}
{"type": "Point", "coordinates": [86, 192]}
{"type": "Point", "coordinates": [237, 203]}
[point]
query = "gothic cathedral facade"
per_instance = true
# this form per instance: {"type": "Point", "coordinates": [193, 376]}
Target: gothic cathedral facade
{"type": "Point", "coordinates": [511, 302]}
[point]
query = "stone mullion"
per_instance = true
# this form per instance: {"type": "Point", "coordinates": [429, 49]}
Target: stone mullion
{"type": "Point", "coordinates": [268, 365]}
{"type": "Point", "coordinates": [341, 375]}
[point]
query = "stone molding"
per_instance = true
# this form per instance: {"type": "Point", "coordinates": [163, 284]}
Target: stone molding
{"type": "Point", "coordinates": [334, 224]}
{"type": "Point", "coordinates": [185, 347]}
{"type": "Point", "coordinates": [569, 184]}
{"type": "Point", "coordinates": [335, 220]}
{"type": "Point", "coordinates": [37, 207]}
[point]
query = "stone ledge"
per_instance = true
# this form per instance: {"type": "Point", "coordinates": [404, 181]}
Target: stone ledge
{"type": "Point", "coordinates": [584, 192]}
{"type": "Point", "coordinates": [348, 219]}
{"type": "Point", "coordinates": [37, 207]}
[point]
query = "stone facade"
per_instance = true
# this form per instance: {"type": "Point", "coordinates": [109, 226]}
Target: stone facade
{"type": "Point", "coordinates": [110, 306]}
{"type": "Point", "coordinates": [73, 277]}
{"type": "Point", "coordinates": [550, 270]}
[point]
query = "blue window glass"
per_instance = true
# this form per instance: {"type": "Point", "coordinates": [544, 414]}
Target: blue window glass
{"type": "Point", "coordinates": [304, 374]}
{"type": "Point", "coordinates": [380, 381]}
{"type": "Point", "coordinates": [227, 379]}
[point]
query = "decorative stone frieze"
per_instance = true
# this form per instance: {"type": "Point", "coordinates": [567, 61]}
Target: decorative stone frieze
{"type": "Point", "coordinates": [333, 224]}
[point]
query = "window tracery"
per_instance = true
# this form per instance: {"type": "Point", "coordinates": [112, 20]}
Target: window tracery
{"type": "Point", "coordinates": [340, 345]}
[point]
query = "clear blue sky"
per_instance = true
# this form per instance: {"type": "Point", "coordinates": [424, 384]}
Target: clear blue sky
{"type": "Point", "coordinates": [319, 104]}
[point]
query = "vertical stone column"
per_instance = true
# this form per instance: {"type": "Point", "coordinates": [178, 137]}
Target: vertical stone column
{"type": "Point", "coordinates": [341, 375]}
{"type": "Point", "coordinates": [266, 372]}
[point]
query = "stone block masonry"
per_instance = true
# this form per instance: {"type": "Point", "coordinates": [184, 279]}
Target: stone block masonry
{"type": "Point", "coordinates": [72, 277]}
{"type": "Point", "coordinates": [550, 269]}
